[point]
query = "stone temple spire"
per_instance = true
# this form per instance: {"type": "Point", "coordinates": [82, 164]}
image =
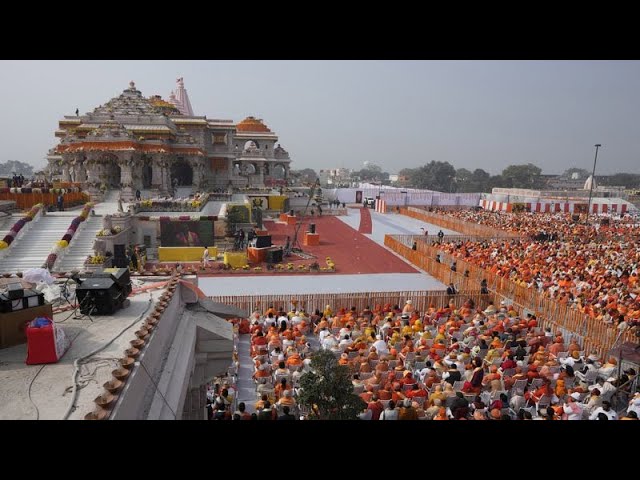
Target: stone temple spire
{"type": "Point", "coordinates": [182, 99]}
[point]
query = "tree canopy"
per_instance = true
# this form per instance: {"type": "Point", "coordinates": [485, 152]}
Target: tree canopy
{"type": "Point", "coordinates": [306, 175]}
{"type": "Point", "coordinates": [327, 389]}
{"type": "Point", "coordinates": [523, 176]}
{"type": "Point", "coordinates": [10, 167]}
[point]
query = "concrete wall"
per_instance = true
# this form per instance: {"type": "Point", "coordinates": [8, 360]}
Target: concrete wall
{"type": "Point", "coordinates": [184, 352]}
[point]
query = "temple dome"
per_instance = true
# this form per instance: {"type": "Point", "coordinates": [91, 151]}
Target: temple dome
{"type": "Point", "coordinates": [252, 124]}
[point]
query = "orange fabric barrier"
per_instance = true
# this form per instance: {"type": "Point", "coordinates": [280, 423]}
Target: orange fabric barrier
{"type": "Point", "coordinates": [27, 200]}
{"type": "Point", "coordinates": [454, 224]}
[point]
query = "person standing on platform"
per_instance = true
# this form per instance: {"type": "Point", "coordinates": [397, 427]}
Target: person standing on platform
{"type": "Point", "coordinates": [138, 195]}
{"type": "Point", "coordinates": [60, 202]}
{"type": "Point", "coordinates": [134, 260]}
{"type": "Point", "coordinates": [205, 258]}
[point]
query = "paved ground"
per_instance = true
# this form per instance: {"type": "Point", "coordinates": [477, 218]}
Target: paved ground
{"type": "Point", "coordinates": [267, 285]}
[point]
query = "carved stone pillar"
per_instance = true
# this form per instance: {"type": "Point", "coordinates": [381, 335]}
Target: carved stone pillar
{"type": "Point", "coordinates": [230, 163]}
{"type": "Point", "coordinates": [80, 170]}
{"type": "Point", "coordinates": [66, 175]}
{"type": "Point", "coordinates": [93, 172]}
{"type": "Point", "coordinates": [261, 168]}
{"type": "Point", "coordinates": [165, 175]}
{"type": "Point", "coordinates": [156, 172]}
{"type": "Point", "coordinates": [126, 178]}
{"type": "Point", "coordinates": [136, 171]}
{"type": "Point", "coordinates": [197, 166]}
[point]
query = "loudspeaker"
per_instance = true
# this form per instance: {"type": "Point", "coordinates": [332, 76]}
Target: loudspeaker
{"type": "Point", "coordinates": [274, 256]}
{"type": "Point", "coordinates": [575, 217]}
{"type": "Point", "coordinates": [312, 228]}
{"type": "Point", "coordinates": [99, 296]}
{"type": "Point", "coordinates": [119, 250]}
{"type": "Point", "coordinates": [120, 262]}
{"type": "Point", "coordinates": [103, 292]}
{"type": "Point", "coordinates": [291, 212]}
{"type": "Point", "coordinates": [15, 291]}
{"type": "Point", "coordinates": [263, 241]}
{"type": "Point", "coordinates": [604, 222]}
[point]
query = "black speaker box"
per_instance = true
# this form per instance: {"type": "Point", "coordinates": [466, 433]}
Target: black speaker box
{"type": "Point", "coordinates": [274, 256]}
{"type": "Point", "coordinates": [120, 275]}
{"type": "Point", "coordinates": [119, 250]}
{"type": "Point", "coordinates": [263, 241]}
{"type": "Point", "coordinates": [120, 262]}
{"type": "Point", "coordinates": [15, 291]}
{"type": "Point", "coordinates": [312, 228]}
{"type": "Point", "coordinates": [102, 293]}
{"type": "Point", "coordinates": [99, 296]}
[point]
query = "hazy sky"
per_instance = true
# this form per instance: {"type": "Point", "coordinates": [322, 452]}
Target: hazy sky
{"type": "Point", "coordinates": [473, 114]}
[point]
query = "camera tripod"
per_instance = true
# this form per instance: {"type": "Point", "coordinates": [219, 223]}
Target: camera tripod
{"type": "Point", "coordinates": [78, 307]}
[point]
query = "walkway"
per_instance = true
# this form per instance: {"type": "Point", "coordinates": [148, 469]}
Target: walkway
{"type": "Point", "coordinates": [365, 221]}
{"type": "Point", "coordinates": [246, 385]}
{"type": "Point", "coordinates": [263, 284]}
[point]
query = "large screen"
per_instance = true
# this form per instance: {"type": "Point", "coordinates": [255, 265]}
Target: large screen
{"type": "Point", "coordinates": [187, 233]}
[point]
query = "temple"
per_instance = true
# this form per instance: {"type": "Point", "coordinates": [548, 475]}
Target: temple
{"type": "Point", "coordinates": [134, 143]}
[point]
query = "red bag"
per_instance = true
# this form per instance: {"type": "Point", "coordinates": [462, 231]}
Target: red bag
{"type": "Point", "coordinates": [45, 344]}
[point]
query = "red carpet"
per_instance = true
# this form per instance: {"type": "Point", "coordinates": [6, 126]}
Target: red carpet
{"type": "Point", "coordinates": [366, 226]}
{"type": "Point", "coordinates": [351, 251]}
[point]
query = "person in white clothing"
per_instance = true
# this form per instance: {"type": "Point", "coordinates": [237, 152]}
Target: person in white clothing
{"type": "Point", "coordinates": [573, 409]}
{"type": "Point", "coordinates": [345, 342]}
{"type": "Point", "coordinates": [634, 404]}
{"type": "Point", "coordinates": [329, 342]}
{"type": "Point", "coordinates": [606, 409]}
{"type": "Point", "coordinates": [324, 332]}
{"type": "Point", "coordinates": [608, 389]}
{"type": "Point", "coordinates": [205, 258]}
{"type": "Point", "coordinates": [381, 346]}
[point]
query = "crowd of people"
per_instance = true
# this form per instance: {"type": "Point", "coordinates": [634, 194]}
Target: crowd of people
{"type": "Point", "coordinates": [594, 269]}
{"type": "Point", "coordinates": [455, 362]}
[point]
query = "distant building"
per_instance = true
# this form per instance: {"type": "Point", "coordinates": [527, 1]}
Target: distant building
{"type": "Point", "coordinates": [335, 177]}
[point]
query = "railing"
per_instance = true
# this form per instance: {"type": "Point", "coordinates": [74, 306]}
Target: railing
{"type": "Point", "coordinates": [421, 300]}
{"type": "Point", "coordinates": [593, 333]}
{"type": "Point", "coordinates": [20, 227]}
{"type": "Point", "coordinates": [63, 243]}
{"type": "Point", "coordinates": [434, 240]}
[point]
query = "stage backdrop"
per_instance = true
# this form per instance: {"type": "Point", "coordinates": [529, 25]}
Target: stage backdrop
{"type": "Point", "coordinates": [186, 233]}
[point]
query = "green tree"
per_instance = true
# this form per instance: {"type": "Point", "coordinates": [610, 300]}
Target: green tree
{"type": "Point", "coordinates": [463, 180]}
{"type": "Point", "coordinates": [434, 176]}
{"type": "Point", "coordinates": [499, 181]}
{"type": "Point", "coordinates": [627, 180]}
{"type": "Point", "coordinates": [371, 172]}
{"type": "Point", "coordinates": [236, 214]}
{"type": "Point", "coordinates": [524, 176]}
{"type": "Point", "coordinates": [480, 180]}
{"type": "Point", "coordinates": [582, 173]}
{"type": "Point", "coordinates": [327, 389]}
{"type": "Point", "coordinates": [306, 175]}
